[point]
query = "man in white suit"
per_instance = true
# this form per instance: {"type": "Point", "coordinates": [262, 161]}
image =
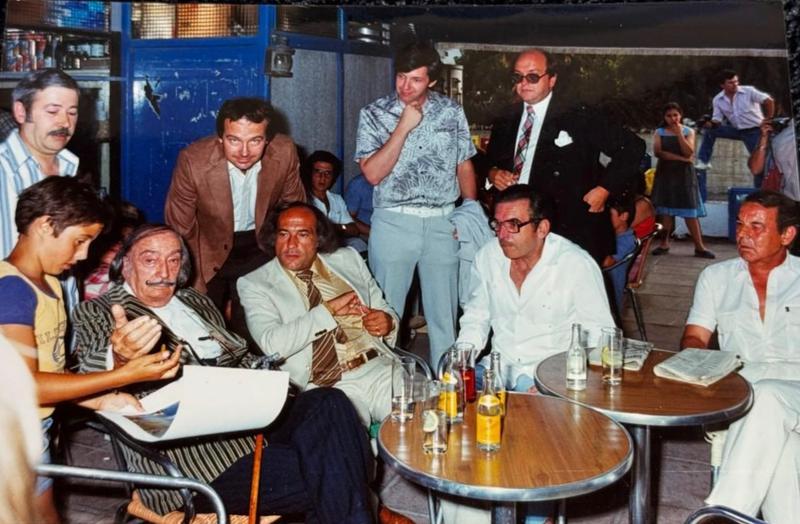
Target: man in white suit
{"type": "Point", "coordinates": [317, 307]}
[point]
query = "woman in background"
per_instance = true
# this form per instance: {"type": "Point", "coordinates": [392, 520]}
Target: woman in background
{"type": "Point", "coordinates": [675, 190]}
{"type": "Point", "coordinates": [319, 173]}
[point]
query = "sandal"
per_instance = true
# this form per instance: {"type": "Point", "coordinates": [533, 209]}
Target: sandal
{"type": "Point", "coordinates": [660, 251]}
{"type": "Point", "coordinates": [704, 253]}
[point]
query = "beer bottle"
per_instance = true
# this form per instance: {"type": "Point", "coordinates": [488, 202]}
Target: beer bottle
{"type": "Point", "coordinates": [488, 421]}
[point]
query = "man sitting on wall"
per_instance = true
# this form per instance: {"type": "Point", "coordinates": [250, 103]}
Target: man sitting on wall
{"type": "Point", "coordinates": [753, 302]}
{"type": "Point", "coordinates": [320, 309]}
{"type": "Point", "coordinates": [318, 461]}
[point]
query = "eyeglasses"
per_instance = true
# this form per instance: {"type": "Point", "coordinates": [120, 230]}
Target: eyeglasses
{"type": "Point", "coordinates": [325, 172]}
{"type": "Point", "coordinates": [513, 226]}
{"type": "Point", "coordinates": [531, 78]}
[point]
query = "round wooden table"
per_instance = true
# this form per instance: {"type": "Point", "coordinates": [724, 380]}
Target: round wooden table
{"type": "Point", "coordinates": [550, 450]}
{"type": "Point", "coordinates": [644, 400]}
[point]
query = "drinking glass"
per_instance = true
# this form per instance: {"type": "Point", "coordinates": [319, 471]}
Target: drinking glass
{"type": "Point", "coordinates": [611, 355]}
{"type": "Point", "coordinates": [434, 420]}
{"type": "Point", "coordinates": [403, 369]}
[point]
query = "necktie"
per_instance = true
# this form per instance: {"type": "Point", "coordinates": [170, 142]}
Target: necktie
{"type": "Point", "coordinates": [325, 369]}
{"type": "Point", "coordinates": [524, 138]}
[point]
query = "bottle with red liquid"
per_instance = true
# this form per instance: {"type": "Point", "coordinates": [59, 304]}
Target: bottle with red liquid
{"type": "Point", "coordinates": [467, 354]}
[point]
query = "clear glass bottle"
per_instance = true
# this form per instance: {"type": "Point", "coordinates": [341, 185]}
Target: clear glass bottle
{"type": "Point", "coordinates": [451, 399]}
{"type": "Point", "coordinates": [576, 361]}
{"type": "Point", "coordinates": [499, 380]}
{"type": "Point", "coordinates": [488, 420]}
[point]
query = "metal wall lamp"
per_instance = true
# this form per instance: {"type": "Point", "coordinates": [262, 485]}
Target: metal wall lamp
{"type": "Point", "coordinates": [278, 62]}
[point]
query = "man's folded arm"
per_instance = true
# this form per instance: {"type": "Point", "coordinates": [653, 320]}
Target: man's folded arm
{"type": "Point", "coordinates": [268, 329]}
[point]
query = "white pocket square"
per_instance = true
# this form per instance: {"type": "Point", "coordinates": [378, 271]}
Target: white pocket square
{"type": "Point", "coordinates": [563, 139]}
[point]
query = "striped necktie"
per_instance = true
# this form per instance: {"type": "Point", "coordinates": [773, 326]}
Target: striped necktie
{"type": "Point", "coordinates": [524, 138]}
{"type": "Point", "coordinates": [325, 370]}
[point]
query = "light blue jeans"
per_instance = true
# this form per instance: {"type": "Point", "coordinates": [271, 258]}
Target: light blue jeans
{"type": "Point", "coordinates": [45, 483]}
{"type": "Point", "coordinates": [400, 242]}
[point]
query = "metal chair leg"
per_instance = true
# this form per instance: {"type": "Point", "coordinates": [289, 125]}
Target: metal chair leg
{"type": "Point", "coordinates": [637, 312]}
{"type": "Point", "coordinates": [561, 512]}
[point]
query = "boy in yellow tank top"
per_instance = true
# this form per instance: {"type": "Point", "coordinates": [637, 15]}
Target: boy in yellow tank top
{"type": "Point", "coordinates": [57, 220]}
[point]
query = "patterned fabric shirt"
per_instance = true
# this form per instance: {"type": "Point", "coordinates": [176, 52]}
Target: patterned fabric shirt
{"type": "Point", "coordinates": [425, 172]}
{"type": "Point", "coordinates": [18, 170]}
{"type": "Point", "coordinates": [331, 286]}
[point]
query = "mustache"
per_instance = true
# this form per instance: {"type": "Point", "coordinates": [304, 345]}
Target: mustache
{"type": "Point", "coordinates": [61, 131]}
{"type": "Point", "coordinates": [160, 283]}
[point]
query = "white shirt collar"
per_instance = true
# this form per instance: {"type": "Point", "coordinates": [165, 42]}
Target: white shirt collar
{"type": "Point", "coordinates": [540, 107]}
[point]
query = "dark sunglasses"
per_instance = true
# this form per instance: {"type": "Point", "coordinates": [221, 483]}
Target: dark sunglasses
{"type": "Point", "coordinates": [532, 78]}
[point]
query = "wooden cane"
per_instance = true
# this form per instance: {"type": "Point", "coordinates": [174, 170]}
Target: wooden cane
{"type": "Point", "coordinates": [256, 480]}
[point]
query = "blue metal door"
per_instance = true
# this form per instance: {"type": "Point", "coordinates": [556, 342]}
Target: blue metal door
{"type": "Point", "coordinates": [175, 95]}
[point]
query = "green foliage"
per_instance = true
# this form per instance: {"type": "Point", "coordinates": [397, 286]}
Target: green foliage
{"type": "Point", "coordinates": [631, 89]}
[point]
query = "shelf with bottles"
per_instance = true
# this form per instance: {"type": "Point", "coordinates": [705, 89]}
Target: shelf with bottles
{"type": "Point", "coordinates": [84, 52]}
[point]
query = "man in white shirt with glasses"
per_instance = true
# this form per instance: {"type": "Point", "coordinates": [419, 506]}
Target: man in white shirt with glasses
{"type": "Point", "coordinates": [529, 286]}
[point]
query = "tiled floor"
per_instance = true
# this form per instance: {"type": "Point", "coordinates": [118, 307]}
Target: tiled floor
{"type": "Point", "coordinates": [683, 476]}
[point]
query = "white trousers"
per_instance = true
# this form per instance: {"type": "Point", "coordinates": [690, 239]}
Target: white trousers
{"type": "Point", "coordinates": [369, 388]}
{"type": "Point", "coordinates": [761, 460]}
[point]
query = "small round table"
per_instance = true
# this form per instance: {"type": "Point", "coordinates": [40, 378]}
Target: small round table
{"type": "Point", "coordinates": [644, 400]}
{"type": "Point", "coordinates": [550, 450]}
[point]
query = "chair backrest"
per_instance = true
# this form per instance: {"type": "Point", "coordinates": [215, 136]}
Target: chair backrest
{"type": "Point", "coordinates": [421, 363]}
{"type": "Point", "coordinates": [162, 481]}
{"type": "Point", "coordinates": [636, 271]}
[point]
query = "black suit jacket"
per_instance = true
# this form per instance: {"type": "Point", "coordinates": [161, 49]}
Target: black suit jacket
{"type": "Point", "coordinates": [566, 165]}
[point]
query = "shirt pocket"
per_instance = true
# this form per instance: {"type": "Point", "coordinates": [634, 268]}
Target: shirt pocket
{"type": "Point", "coordinates": [792, 331]}
{"type": "Point", "coordinates": [727, 327]}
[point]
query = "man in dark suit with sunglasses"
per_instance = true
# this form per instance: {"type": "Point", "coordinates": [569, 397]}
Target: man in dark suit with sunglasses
{"type": "Point", "coordinates": [561, 148]}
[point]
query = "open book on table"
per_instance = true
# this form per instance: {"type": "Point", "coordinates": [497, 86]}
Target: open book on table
{"type": "Point", "coordinates": [635, 352]}
{"type": "Point", "coordinates": [702, 367]}
{"type": "Point", "coordinates": [205, 401]}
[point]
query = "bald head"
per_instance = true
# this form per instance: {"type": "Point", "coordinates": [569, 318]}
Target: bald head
{"type": "Point", "coordinates": [538, 63]}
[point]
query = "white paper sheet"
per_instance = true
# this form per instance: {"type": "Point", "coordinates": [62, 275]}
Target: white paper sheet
{"type": "Point", "coordinates": [210, 400]}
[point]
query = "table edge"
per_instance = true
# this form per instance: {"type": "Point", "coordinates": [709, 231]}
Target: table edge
{"type": "Point", "coordinates": [640, 419]}
{"type": "Point", "coordinates": [495, 493]}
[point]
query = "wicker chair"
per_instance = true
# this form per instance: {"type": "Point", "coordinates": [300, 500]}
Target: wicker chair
{"type": "Point", "coordinates": [136, 507]}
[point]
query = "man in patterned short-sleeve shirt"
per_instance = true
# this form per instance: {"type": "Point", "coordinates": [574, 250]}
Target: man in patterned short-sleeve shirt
{"type": "Point", "coordinates": [414, 146]}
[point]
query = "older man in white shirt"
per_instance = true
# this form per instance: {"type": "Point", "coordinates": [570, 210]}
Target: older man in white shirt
{"type": "Point", "coordinates": [754, 303]}
{"type": "Point", "coordinates": [529, 286]}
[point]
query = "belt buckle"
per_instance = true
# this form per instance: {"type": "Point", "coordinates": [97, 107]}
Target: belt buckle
{"type": "Point", "coordinates": [356, 362]}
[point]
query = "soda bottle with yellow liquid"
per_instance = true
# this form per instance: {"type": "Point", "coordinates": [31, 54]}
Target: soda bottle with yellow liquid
{"type": "Point", "coordinates": [499, 380]}
{"type": "Point", "coordinates": [451, 398]}
{"type": "Point", "coordinates": [487, 425]}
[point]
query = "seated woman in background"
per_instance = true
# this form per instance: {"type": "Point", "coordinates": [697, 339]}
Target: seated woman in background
{"type": "Point", "coordinates": [645, 216]}
{"type": "Point", "coordinates": [125, 218]}
{"type": "Point", "coordinates": [57, 220]}
{"type": "Point", "coordinates": [319, 172]}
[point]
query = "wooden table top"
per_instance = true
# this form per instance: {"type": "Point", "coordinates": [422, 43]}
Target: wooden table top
{"type": "Point", "coordinates": [647, 400]}
{"type": "Point", "coordinates": [550, 449]}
